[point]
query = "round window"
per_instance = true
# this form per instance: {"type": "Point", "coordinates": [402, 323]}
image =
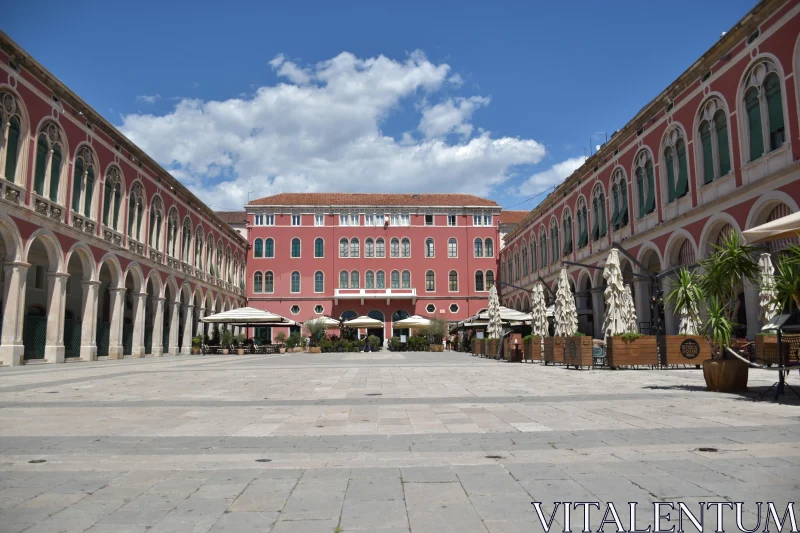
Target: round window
{"type": "Point", "coordinates": [431, 308]}
{"type": "Point", "coordinates": [454, 308]}
{"type": "Point", "coordinates": [295, 309]}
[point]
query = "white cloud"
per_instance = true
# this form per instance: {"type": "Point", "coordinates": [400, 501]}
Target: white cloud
{"type": "Point", "coordinates": [148, 99]}
{"type": "Point", "coordinates": [550, 177]}
{"type": "Point", "coordinates": [450, 116]}
{"type": "Point", "coordinates": [322, 132]}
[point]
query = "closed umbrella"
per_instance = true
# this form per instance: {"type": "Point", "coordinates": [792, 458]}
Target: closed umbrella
{"type": "Point", "coordinates": [768, 294]}
{"type": "Point", "coordinates": [614, 322]}
{"type": "Point", "coordinates": [495, 329]}
{"type": "Point", "coordinates": [566, 315]}
{"type": "Point", "coordinates": [630, 310]}
{"type": "Point", "coordinates": [539, 311]}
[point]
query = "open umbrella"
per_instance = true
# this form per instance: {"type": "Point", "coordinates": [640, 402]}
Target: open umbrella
{"type": "Point", "coordinates": [630, 310]}
{"type": "Point", "coordinates": [539, 311]}
{"type": "Point", "coordinates": [783, 228]}
{"type": "Point", "coordinates": [330, 323]}
{"type": "Point", "coordinates": [614, 322]}
{"type": "Point", "coordinates": [363, 322]}
{"type": "Point", "coordinates": [414, 321]}
{"type": "Point", "coordinates": [566, 316]}
{"type": "Point", "coordinates": [495, 328]}
{"type": "Point", "coordinates": [768, 294]}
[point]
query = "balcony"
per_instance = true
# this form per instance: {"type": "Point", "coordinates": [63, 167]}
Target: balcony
{"type": "Point", "coordinates": [112, 236]}
{"type": "Point", "coordinates": [173, 263]}
{"type": "Point", "coordinates": [11, 192]}
{"type": "Point", "coordinates": [374, 294]}
{"type": "Point", "coordinates": [135, 246]}
{"type": "Point", "coordinates": [79, 221]}
{"type": "Point", "coordinates": [156, 256]}
{"type": "Point", "coordinates": [186, 268]}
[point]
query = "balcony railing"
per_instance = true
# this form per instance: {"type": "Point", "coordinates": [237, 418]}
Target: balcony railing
{"type": "Point", "coordinates": [135, 246]}
{"type": "Point", "coordinates": [11, 192]}
{"type": "Point", "coordinates": [112, 236]}
{"type": "Point", "coordinates": [156, 256]}
{"type": "Point", "coordinates": [374, 294]}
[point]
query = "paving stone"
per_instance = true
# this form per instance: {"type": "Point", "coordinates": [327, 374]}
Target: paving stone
{"type": "Point", "coordinates": [376, 489]}
{"type": "Point", "coordinates": [373, 515]}
{"type": "Point", "coordinates": [233, 522]}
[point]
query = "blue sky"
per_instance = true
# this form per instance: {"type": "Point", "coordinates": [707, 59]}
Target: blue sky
{"type": "Point", "coordinates": [498, 99]}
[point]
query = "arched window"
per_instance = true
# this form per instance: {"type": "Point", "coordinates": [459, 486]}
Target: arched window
{"type": "Point", "coordinates": [257, 282]}
{"type": "Point", "coordinates": [82, 182]}
{"type": "Point", "coordinates": [524, 259]}
{"type": "Point", "coordinates": [10, 135]}
{"type": "Point", "coordinates": [543, 246]}
{"type": "Point", "coordinates": [219, 259]}
{"type": "Point", "coordinates": [344, 279]}
{"type": "Point", "coordinates": [370, 279]}
{"type": "Point", "coordinates": [258, 248]}
{"type": "Point", "coordinates": [354, 280]}
{"type": "Point", "coordinates": [319, 281]}
{"type": "Point", "coordinates": [136, 213]}
{"type": "Point", "coordinates": [349, 315]}
{"type": "Point", "coordinates": [554, 241]}
{"type": "Point", "coordinates": [198, 249]}
{"type": "Point", "coordinates": [488, 248]}
{"type": "Point", "coordinates": [516, 266]}
{"type": "Point", "coordinates": [599, 228]}
{"type": "Point", "coordinates": [186, 240]}
{"type": "Point", "coordinates": [172, 236]}
{"type": "Point", "coordinates": [50, 161]}
{"type": "Point", "coordinates": [478, 248]}
{"type": "Point", "coordinates": [296, 247]}
{"type": "Point", "coordinates": [269, 248]}
{"type": "Point", "coordinates": [406, 279]}
{"type": "Point", "coordinates": [405, 247]}
{"type": "Point", "coordinates": [430, 249]}
{"type": "Point", "coordinates": [319, 247]}
{"type": "Point", "coordinates": [534, 257]}
{"type": "Point", "coordinates": [715, 157]}
{"type": "Point", "coordinates": [354, 247]}
{"type": "Point", "coordinates": [228, 265]}
{"type": "Point", "coordinates": [479, 281]}
{"type": "Point", "coordinates": [430, 281]}
{"type": "Point", "coordinates": [269, 282]}
{"type": "Point", "coordinates": [295, 281]}
{"type": "Point", "coordinates": [619, 199]}
{"type": "Point", "coordinates": [112, 199]}
{"type": "Point", "coordinates": [489, 279]}
{"type": "Point", "coordinates": [674, 164]}
{"type": "Point", "coordinates": [399, 315]}
{"type": "Point", "coordinates": [583, 226]}
{"type": "Point", "coordinates": [452, 247]}
{"type": "Point", "coordinates": [209, 248]}
{"type": "Point", "coordinates": [380, 248]}
{"type": "Point", "coordinates": [344, 247]}
{"type": "Point", "coordinates": [380, 280]}
{"type": "Point", "coordinates": [453, 281]}
{"type": "Point", "coordinates": [763, 103]}
{"type": "Point", "coordinates": [395, 279]}
{"type": "Point", "coordinates": [686, 254]}
{"type": "Point", "coordinates": [395, 247]}
{"type": "Point", "coordinates": [567, 222]}
{"type": "Point", "coordinates": [645, 183]}
{"type": "Point", "coordinates": [369, 248]}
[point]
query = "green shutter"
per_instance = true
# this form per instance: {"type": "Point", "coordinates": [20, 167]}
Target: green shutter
{"type": "Point", "coordinates": [152, 228]}
{"type": "Point", "coordinates": [754, 122]}
{"type": "Point", "coordinates": [670, 163]}
{"type": "Point", "coordinates": [651, 187]}
{"type": "Point", "coordinates": [11, 152]}
{"type": "Point", "coordinates": [775, 110]}
{"type": "Point", "coordinates": [603, 217]}
{"type": "Point", "coordinates": [615, 198]}
{"type": "Point", "coordinates": [596, 217]}
{"type": "Point", "coordinates": [139, 209]}
{"type": "Point", "coordinates": [640, 187]}
{"type": "Point", "coordinates": [87, 209]}
{"type": "Point", "coordinates": [131, 212]}
{"type": "Point", "coordinates": [117, 202]}
{"type": "Point", "coordinates": [107, 198]}
{"type": "Point", "coordinates": [55, 173]}
{"type": "Point", "coordinates": [623, 216]}
{"type": "Point", "coordinates": [682, 187]}
{"type": "Point", "coordinates": [708, 157]}
{"type": "Point", "coordinates": [76, 186]}
{"type": "Point", "coordinates": [41, 165]}
{"type": "Point", "coordinates": [721, 125]}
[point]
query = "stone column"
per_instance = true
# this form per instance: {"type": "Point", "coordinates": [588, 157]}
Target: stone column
{"type": "Point", "coordinates": [158, 327]}
{"type": "Point", "coordinates": [12, 349]}
{"type": "Point", "coordinates": [137, 345]}
{"type": "Point", "coordinates": [188, 320]}
{"type": "Point", "coordinates": [56, 299]}
{"type": "Point", "coordinates": [89, 320]}
{"type": "Point", "coordinates": [174, 324]}
{"type": "Point", "coordinates": [599, 314]}
{"type": "Point", "coordinates": [201, 312]}
{"type": "Point", "coordinates": [117, 306]}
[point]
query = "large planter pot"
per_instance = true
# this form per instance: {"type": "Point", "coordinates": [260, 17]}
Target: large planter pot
{"type": "Point", "coordinates": [491, 347]}
{"type": "Point", "coordinates": [482, 347]}
{"type": "Point", "coordinates": [685, 350]}
{"type": "Point", "coordinates": [535, 346]}
{"type": "Point", "coordinates": [225, 351]}
{"type": "Point", "coordinates": [314, 349]}
{"type": "Point", "coordinates": [553, 350]}
{"type": "Point", "coordinates": [638, 352]}
{"type": "Point", "coordinates": [281, 350]}
{"type": "Point", "coordinates": [240, 351]}
{"type": "Point", "coordinates": [725, 375]}
{"type": "Point", "coordinates": [767, 349]}
{"type": "Point", "coordinates": [436, 347]}
{"type": "Point", "coordinates": [578, 351]}
{"type": "Point", "coordinates": [195, 351]}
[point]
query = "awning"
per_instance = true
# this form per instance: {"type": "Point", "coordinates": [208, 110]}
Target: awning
{"type": "Point", "coordinates": [414, 321]}
{"type": "Point", "coordinates": [364, 322]}
{"type": "Point", "coordinates": [783, 228]}
{"type": "Point", "coordinates": [249, 316]}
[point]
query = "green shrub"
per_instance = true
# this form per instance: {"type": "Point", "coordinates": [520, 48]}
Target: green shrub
{"type": "Point", "coordinates": [631, 336]}
{"type": "Point", "coordinates": [527, 339]}
{"type": "Point", "coordinates": [281, 337]}
{"type": "Point", "coordinates": [394, 343]}
{"type": "Point", "coordinates": [374, 342]}
{"type": "Point", "coordinates": [295, 340]}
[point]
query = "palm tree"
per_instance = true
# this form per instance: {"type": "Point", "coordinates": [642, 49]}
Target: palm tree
{"type": "Point", "coordinates": [787, 278]}
{"type": "Point", "coordinates": [684, 298]}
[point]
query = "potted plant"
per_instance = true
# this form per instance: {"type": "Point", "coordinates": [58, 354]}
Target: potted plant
{"type": "Point", "coordinates": [281, 338]}
{"type": "Point", "coordinates": [436, 331]}
{"type": "Point", "coordinates": [196, 342]}
{"type": "Point", "coordinates": [316, 330]}
{"type": "Point", "coordinates": [374, 343]}
{"type": "Point", "coordinates": [688, 346]}
{"type": "Point", "coordinates": [241, 339]}
{"type": "Point", "coordinates": [578, 350]}
{"type": "Point", "coordinates": [295, 342]}
{"type": "Point", "coordinates": [227, 341]}
{"type": "Point", "coordinates": [632, 349]}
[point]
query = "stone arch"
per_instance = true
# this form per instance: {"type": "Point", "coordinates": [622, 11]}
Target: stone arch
{"type": "Point", "coordinates": [172, 284]}
{"type": "Point", "coordinates": [218, 303]}
{"type": "Point", "coordinates": [158, 285]}
{"type": "Point", "coordinates": [114, 269]}
{"type": "Point", "coordinates": [45, 296]}
{"type": "Point", "coordinates": [765, 204]}
{"type": "Point", "coordinates": [12, 105]}
{"type": "Point", "coordinates": [55, 255]}
{"type": "Point", "coordinates": [84, 254]}
{"type": "Point", "coordinates": [673, 246]}
{"type": "Point", "coordinates": [13, 248]}
{"type": "Point", "coordinates": [135, 270]}
{"type": "Point", "coordinates": [711, 230]}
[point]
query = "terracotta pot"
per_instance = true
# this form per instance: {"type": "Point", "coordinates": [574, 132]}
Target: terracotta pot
{"type": "Point", "coordinates": [281, 350]}
{"type": "Point", "coordinates": [225, 351]}
{"type": "Point", "coordinates": [437, 348]}
{"type": "Point", "coordinates": [240, 351]}
{"type": "Point", "coordinates": [726, 375]}
{"type": "Point", "coordinates": [195, 351]}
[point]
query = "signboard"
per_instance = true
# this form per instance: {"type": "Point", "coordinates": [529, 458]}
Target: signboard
{"type": "Point", "coordinates": [480, 334]}
{"type": "Point", "coordinates": [690, 349]}
{"type": "Point", "coordinates": [402, 338]}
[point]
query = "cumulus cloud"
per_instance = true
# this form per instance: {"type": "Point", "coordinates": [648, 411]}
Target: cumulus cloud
{"type": "Point", "coordinates": [148, 98]}
{"type": "Point", "coordinates": [552, 176]}
{"type": "Point", "coordinates": [320, 130]}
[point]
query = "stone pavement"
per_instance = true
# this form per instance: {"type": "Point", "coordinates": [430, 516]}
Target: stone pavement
{"type": "Point", "coordinates": [375, 442]}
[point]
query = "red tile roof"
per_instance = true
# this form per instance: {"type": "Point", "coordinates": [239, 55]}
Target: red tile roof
{"type": "Point", "coordinates": [324, 198]}
{"type": "Point", "coordinates": [233, 217]}
{"type": "Point", "coordinates": [512, 217]}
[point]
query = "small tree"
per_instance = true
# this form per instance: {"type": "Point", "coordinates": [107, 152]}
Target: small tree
{"type": "Point", "coordinates": [787, 278]}
{"type": "Point", "coordinates": [281, 337]}
{"type": "Point", "coordinates": [436, 330]}
{"type": "Point", "coordinates": [227, 337]}
{"type": "Point", "coordinates": [684, 298]}
{"type": "Point", "coordinates": [316, 330]}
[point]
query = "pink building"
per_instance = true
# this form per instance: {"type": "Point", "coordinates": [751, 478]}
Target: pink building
{"type": "Point", "coordinates": [383, 255]}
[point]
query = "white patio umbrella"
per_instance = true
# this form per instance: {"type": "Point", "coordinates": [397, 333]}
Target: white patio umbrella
{"type": "Point", "coordinates": [630, 310]}
{"type": "Point", "coordinates": [495, 328]}
{"type": "Point", "coordinates": [566, 316]}
{"type": "Point", "coordinates": [768, 294]}
{"type": "Point", "coordinates": [414, 321]}
{"type": "Point", "coordinates": [364, 322]}
{"type": "Point", "coordinates": [330, 323]}
{"type": "Point", "coordinates": [247, 316]}
{"type": "Point", "coordinates": [539, 311]}
{"type": "Point", "coordinates": [614, 322]}
{"type": "Point", "coordinates": [783, 228]}
{"type": "Point", "coordinates": [690, 323]}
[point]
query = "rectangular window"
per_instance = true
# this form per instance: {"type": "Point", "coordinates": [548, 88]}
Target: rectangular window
{"type": "Point", "coordinates": [429, 220]}
{"type": "Point", "coordinates": [319, 220]}
{"type": "Point", "coordinates": [269, 220]}
{"type": "Point", "coordinates": [405, 220]}
{"type": "Point", "coordinates": [451, 220]}
{"type": "Point", "coordinates": [295, 220]}
{"type": "Point", "coordinates": [344, 220]}
{"type": "Point", "coordinates": [259, 220]}
{"type": "Point", "coordinates": [487, 220]}
{"type": "Point", "coordinates": [369, 220]}
{"type": "Point", "coordinates": [354, 220]}
{"type": "Point", "coordinates": [395, 219]}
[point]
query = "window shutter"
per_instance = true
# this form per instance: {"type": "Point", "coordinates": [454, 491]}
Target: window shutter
{"type": "Point", "coordinates": [55, 173]}
{"type": "Point", "coordinates": [721, 125]}
{"type": "Point", "coordinates": [131, 212]}
{"type": "Point", "coordinates": [623, 214]}
{"type": "Point", "coordinates": [682, 186]}
{"type": "Point", "coordinates": [107, 198]}
{"type": "Point", "coordinates": [41, 166]}
{"type": "Point", "coordinates": [708, 157]}
{"type": "Point", "coordinates": [596, 226]}
{"type": "Point", "coordinates": [640, 187]}
{"type": "Point", "coordinates": [754, 123]}
{"type": "Point", "coordinates": [139, 209]}
{"type": "Point", "coordinates": [12, 145]}
{"type": "Point", "coordinates": [615, 214]}
{"type": "Point", "coordinates": [775, 110]}
{"type": "Point", "coordinates": [651, 187]}
{"type": "Point", "coordinates": [603, 218]}
{"type": "Point", "coordinates": [670, 163]}
{"type": "Point", "coordinates": [87, 206]}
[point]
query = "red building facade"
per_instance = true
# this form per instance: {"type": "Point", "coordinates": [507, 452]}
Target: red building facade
{"type": "Point", "coordinates": [384, 255]}
{"type": "Point", "coordinates": [717, 151]}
